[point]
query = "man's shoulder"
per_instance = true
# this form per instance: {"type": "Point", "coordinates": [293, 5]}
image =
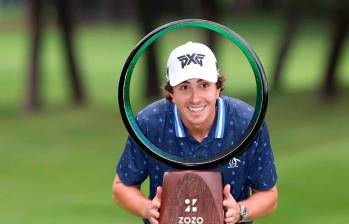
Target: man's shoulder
{"type": "Point", "coordinates": [238, 107]}
{"type": "Point", "coordinates": [154, 110]}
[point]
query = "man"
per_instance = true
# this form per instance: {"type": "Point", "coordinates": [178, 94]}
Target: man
{"type": "Point", "coordinates": [194, 120]}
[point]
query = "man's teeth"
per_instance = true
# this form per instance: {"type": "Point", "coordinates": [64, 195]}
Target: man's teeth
{"type": "Point", "coordinates": [196, 109]}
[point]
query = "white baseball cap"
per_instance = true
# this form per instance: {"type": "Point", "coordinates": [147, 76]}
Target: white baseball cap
{"type": "Point", "coordinates": [192, 61]}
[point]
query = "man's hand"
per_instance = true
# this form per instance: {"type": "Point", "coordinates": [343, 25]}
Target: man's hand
{"type": "Point", "coordinates": [153, 213]}
{"type": "Point", "coordinates": [232, 208]}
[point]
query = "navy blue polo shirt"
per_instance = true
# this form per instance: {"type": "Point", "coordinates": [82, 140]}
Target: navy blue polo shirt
{"type": "Point", "coordinates": [161, 123]}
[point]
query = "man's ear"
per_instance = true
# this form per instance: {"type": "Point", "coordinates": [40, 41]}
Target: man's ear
{"type": "Point", "coordinates": [218, 92]}
{"type": "Point", "coordinates": [171, 94]}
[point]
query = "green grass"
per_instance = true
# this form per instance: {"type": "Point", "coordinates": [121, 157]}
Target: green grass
{"type": "Point", "coordinates": [310, 144]}
{"type": "Point", "coordinates": [57, 166]}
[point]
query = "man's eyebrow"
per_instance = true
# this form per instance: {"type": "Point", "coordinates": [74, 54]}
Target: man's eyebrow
{"type": "Point", "coordinates": [185, 82]}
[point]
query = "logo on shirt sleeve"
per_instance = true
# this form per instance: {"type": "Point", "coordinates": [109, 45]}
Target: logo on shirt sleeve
{"type": "Point", "coordinates": [234, 162]}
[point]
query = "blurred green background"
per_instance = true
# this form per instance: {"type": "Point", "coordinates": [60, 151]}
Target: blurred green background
{"type": "Point", "coordinates": [57, 164]}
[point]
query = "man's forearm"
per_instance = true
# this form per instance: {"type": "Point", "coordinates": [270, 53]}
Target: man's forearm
{"type": "Point", "coordinates": [130, 198]}
{"type": "Point", "coordinates": [261, 203]}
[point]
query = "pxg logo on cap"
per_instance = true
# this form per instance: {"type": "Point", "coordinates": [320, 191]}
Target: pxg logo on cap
{"type": "Point", "coordinates": [187, 59]}
{"type": "Point", "coordinates": [190, 61]}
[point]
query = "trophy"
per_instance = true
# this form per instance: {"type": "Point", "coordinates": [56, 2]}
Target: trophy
{"type": "Point", "coordinates": [192, 194]}
{"type": "Point", "coordinates": [192, 197]}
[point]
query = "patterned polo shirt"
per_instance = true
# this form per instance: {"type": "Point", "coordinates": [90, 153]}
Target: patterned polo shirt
{"type": "Point", "coordinates": [161, 123]}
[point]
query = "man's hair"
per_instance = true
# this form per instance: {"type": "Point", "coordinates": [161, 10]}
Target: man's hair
{"type": "Point", "coordinates": [167, 88]}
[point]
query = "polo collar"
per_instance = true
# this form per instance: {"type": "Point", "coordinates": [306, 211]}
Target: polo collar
{"type": "Point", "coordinates": [220, 121]}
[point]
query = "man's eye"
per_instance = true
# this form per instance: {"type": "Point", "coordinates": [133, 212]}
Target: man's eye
{"type": "Point", "coordinates": [205, 85]}
{"type": "Point", "coordinates": [183, 87]}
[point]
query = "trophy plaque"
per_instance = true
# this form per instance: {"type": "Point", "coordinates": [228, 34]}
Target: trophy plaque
{"type": "Point", "coordinates": [192, 197]}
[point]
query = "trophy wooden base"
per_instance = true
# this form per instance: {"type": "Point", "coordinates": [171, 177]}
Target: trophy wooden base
{"type": "Point", "coordinates": [192, 197]}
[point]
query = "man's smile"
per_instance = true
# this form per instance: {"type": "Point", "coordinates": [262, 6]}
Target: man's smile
{"type": "Point", "coordinates": [196, 109]}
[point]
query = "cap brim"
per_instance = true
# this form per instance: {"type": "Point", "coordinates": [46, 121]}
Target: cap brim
{"type": "Point", "coordinates": [183, 78]}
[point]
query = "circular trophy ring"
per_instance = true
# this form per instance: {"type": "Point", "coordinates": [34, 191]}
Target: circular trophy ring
{"type": "Point", "coordinates": [177, 161]}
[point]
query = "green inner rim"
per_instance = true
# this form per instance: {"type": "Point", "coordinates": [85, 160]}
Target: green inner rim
{"type": "Point", "coordinates": [221, 30]}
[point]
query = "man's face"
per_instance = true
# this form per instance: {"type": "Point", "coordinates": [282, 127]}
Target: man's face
{"type": "Point", "coordinates": [196, 101]}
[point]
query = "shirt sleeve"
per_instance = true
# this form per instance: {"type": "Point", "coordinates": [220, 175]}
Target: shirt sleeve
{"type": "Point", "coordinates": [262, 172]}
{"type": "Point", "coordinates": [132, 167]}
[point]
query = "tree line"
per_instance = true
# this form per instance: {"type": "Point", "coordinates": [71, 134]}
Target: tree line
{"type": "Point", "coordinates": [146, 13]}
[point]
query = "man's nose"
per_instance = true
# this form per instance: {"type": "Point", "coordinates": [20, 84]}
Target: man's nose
{"type": "Point", "coordinates": [195, 96]}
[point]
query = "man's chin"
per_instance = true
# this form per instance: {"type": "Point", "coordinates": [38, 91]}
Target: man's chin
{"type": "Point", "coordinates": [197, 122]}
